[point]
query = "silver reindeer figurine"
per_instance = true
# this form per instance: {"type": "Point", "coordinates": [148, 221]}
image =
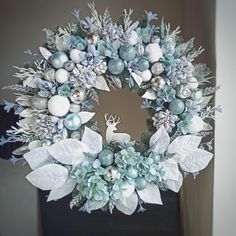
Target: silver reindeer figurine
{"type": "Point", "coordinates": [111, 136]}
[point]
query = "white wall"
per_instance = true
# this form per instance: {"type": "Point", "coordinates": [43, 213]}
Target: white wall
{"type": "Point", "coordinates": [224, 209]}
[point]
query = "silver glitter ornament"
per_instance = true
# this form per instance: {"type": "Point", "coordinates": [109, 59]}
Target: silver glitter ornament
{"type": "Point", "coordinates": [49, 74]}
{"type": "Point", "coordinates": [92, 38]}
{"type": "Point", "coordinates": [157, 83]}
{"type": "Point", "coordinates": [157, 68]}
{"type": "Point", "coordinates": [39, 103]}
{"type": "Point", "coordinates": [78, 96]}
{"type": "Point", "coordinates": [69, 65]}
{"type": "Point", "coordinates": [165, 118]}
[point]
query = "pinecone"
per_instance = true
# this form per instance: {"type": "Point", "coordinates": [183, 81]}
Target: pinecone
{"type": "Point", "coordinates": [165, 118]}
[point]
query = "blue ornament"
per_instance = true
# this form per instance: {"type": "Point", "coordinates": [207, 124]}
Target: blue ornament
{"type": "Point", "coordinates": [132, 172]}
{"type": "Point", "coordinates": [116, 66]}
{"type": "Point", "coordinates": [197, 95]}
{"type": "Point", "coordinates": [140, 183]}
{"type": "Point", "coordinates": [143, 64]}
{"type": "Point", "coordinates": [58, 59]}
{"type": "Point", "coordinates": [127, 52]}
{"type": "Point", "coordinates": [176, 106]}
{"type": "Point", "coordinates": [106, 157]}
{"type": "Point", "coordinates": [72, 121]}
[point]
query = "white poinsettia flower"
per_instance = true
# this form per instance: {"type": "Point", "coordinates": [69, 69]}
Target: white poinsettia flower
{"type": "Point", "coordinates": [55, 177]}
{"type": "Point", "coordinates": [185, 153]}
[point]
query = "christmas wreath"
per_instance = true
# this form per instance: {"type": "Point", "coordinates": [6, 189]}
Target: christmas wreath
{"type": "Point", "coordinates": [55, 94]}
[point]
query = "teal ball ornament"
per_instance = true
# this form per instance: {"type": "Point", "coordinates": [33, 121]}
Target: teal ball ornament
{"type": "Point", "coordinates": [106, 157]}
{"type": "Point", "coordinates": [143, 64]}
{"type": "Point", "coordinates": [197, 95]}
{"type": "Point", "coordinates": [72, 121]}
{"type": "Point", "coordinates": [127, 52]}
{"type": "Point", "coordinates": [116, 66]}
{"type": "Point", "coordinates": [58, 59]}
{"type": "Point", "coordinates": [176, 106]}
{"type": "Point", "coordinates": [140, 183]}
{"type": "Point", "coordinates": [132, 172]}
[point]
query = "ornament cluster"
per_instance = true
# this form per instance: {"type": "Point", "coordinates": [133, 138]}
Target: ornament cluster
{"type": "Point", "coordinates": [55, 95]}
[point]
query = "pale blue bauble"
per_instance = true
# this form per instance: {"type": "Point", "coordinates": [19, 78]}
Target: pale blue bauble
{"type": "Point", "coordinates": [176, 106]}
{"type": "Point", "coordinates": [127, 52]}
{"type": "Point", "coordinates": [116, 66]}
{"type": "Point", "coordinates": [58, 59]}
{"type": "Point", "coordinates": [143, 64]}
{"type": "Point", "coordinates": [72, 121]}
{"type": "Point", "coordinates": [197, 95]}
{"type": "Point", "coordinates": [132, 172]}
{"type": "Point", "coordinates": [140, 183]}
{"type": "Point", "coordinates": [106, 157]}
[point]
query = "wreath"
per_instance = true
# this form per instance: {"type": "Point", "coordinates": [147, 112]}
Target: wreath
{"type": "Point", "coordinates": [56, 92]}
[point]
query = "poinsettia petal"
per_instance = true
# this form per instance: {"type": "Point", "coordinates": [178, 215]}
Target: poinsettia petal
{"type": "Point", "coordinates": [159, 141]}
{"type": "Point", "coordinates": [127, 205]}
{"type": "Point", "coordinates": [45, 53]}
{"type": "Point", "coordinates": [92, 140]}
{"type": "Point", "coordinates": [151, 194]}
{"type": "Point", "coordinates": [183, 145]}
{"type": "Point", "coordinates": [138, 79]}
{"type": "Point", "coordinates": [100, 83]}
{"type": "Point", "coordinates": [196, 161]}
{"type": "Point", "coordinates": [176, 184]}
{"type": "Point", "coordinates": [95, 205]}
{"type": "Point", "coordinates": [68, 151]}
{"type": "Point", "coordinates": [86, 116]}
{"type": "Point", "coordinates": [127, 190]}
{"type": "Point", "coordinates": [48, 177]}
{"type": "Point", "coordinates": [62, 191]}
{"type": "Point", "coordinates": [37, 157]}
{"type": "Point", "coordinates": [171, 169]}
{"type": "Point", "coordinates": [150, 94]}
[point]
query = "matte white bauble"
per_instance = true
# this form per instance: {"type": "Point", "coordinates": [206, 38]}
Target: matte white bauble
{"type": "Point", "coordinates": [62, 76]}
{"type": "Point", "coordinates": [75, 55]}
{"type": "Point", "coordinates": [154, 52]}
{"type": "Point", "coordinates": [146, 75]}
{"type": "Point", "coordinates": [132, 38]}
{"type": "Point", "coordinates": [195, 125]}
{"type": "Point", "coordinates": [192, 83]}
{"type": "Point", "coordinates": [58, 105]}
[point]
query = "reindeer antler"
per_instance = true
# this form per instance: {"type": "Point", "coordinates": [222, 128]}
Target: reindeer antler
{"type": "Point", "coordinates": [111, 120]}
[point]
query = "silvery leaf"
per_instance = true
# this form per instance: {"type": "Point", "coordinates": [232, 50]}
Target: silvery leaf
{"type": "Point", "coordinates": [34, 144]}
{"type": "Point", "coordinates": [25, 121]}
{"type": "Point", "coordinates": [92, 140]}
{"type": "Point", "coordinates": [205, 101]}
{"type": "Point", "coordinates": [150, 94]}
{"type": "Point", "coordinates": [183, 145]}
{"type": "Point", "coordinates": [68, 151]}
{"type": "Point", "coordinates": [23, 100]}
{"type": "Point", "coordinates": [196, 161]}
{"type": "Point", "coordinates": [62, 191]}
{"type": "Point", "coordinates": [62, 43]}
{"type": "Point", "coordinates": [20, 151]}
{"type": "Point", "coordinates": [86, 116]}
{"type": "Point", "coordinates": [138, 79]}
{"type": "Point", "coordinates": [45, 53]}
{"type": "Point", "coordinates": [151, 194]}
{"type": "Point", "coordinates": [30, 82]}
{"type": "Point", "coordinates": [132, 27]}
{"type": "Point", "coordinates": [100, 83]}
{"type": "Point", "coordinates": [127, 205]}
{"type": "Point", "coordinates": [159, 141]}
{"type": "Point", "coordinates": [171, 169]}
{"type": "Point", "coordinates": [27, 113]}
{"type": "Point", "coordinates": [95, 205]}
{"type": "Point", "coordinates": [48, 177]}
{"type": "Point", "coordinates": [207, 127]}
{"type": "Point", "coordinates": [127, 190]}
{"type": "Point", "coordinates": [37, 157]}
{"type": "Point", "coordinates": [175, 185]}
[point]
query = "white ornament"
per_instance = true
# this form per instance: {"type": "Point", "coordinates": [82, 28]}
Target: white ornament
{"type": "Point", "coordinates": [146, 75]}
{"type": "Point", "coordinates": [58, 105]}
{"type": "Point", "coordinates": [61, 76]}
{"type": "Point", "coordinates": [192, 83]}
{"type": "Point", "coordinates": [75, 55]}
{"type": "Point", "coordinates": [111, 123]}
{"type": "Point", "coordinates": [154, 52]}
{"type": "Point", "coordinates": [132, 38]}
{"type": "Point", "coordinates": [196, 125]}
